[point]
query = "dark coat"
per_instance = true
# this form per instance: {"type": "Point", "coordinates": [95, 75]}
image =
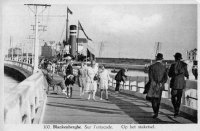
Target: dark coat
{"type": "Point", "coordinates": [69, 80]}
{"type": "Point", "coordinates": [178, 71]}
{"type": "Point", "coordinates": [157, 78]}
{"type": "Point", "coordinates": [120, 76]}
{"type": "Point", "coordinates": [69, 70]}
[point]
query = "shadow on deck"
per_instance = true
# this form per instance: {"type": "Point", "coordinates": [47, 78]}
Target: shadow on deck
{"type": "Point", "coordinates": [119, 109]}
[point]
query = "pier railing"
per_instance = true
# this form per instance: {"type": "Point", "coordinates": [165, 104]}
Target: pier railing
{"type": "Point", "coordinates": [119, 66]}
{"type": "Point", "coordinates": [23, 65]}
{"type": "Point", "coordinates": [135, 84]}
{"type": "Point", "coordinates": [24, 101]}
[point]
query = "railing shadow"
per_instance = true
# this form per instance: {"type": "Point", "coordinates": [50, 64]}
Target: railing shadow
{"type": "Point", "coordinates": [137, 109]}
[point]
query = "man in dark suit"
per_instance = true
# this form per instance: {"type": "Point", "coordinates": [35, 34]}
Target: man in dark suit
{"type": "Point", "coordinates": [69, 77]}
{"type": "Point", "coordinates": [177, 72]}
{"type": "Point", "coordinates": [158, 77]}
{"type": "Point", "coordinates": [120, 76]}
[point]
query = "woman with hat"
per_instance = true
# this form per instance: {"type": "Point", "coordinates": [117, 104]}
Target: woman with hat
{"type": "Point", "coordinates": [157, 78]}
{"type": "Point", "coordinates": [178, 71]}
{"type": "Point", "coordinates": [91, 81]}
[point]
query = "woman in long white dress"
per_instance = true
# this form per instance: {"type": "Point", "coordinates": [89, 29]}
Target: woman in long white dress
{"type": "Point", "coordinates": [104, 78]}
{"type": "Point", "coordinates": [91, 83]}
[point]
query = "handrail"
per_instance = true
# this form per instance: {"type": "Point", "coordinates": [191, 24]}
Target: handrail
{"type": "Point", "coordinates": [138, 82]}
{"type": "Point", "coordinates": [22, 102]}
{"type": "Point", "coordinates": [23, 65]}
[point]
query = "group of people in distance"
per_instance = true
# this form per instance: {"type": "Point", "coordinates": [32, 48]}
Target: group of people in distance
{"type": "Point", "coordinates": [90, 78]}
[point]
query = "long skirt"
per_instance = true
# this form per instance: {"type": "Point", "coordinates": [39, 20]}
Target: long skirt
{"type": "Point", "coordinates": [82, 82]}
{"type": "Point", "coordinates": [103, 84]}
{"type": "Point", "coordinates": [91, 86]}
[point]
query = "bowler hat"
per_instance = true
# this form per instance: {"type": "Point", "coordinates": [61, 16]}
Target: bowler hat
{"type": "Point", "coordinates": [159, 56]}
{"type": "Point", "coordinates": [178, 56]}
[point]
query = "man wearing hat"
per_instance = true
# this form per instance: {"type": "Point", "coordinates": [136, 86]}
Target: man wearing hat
{"type": "Point", "coordinates": [178, 71]}
{"type": "Point", "coordinates": [69, 77]}
{"type": "Point", "coordinates": [157, 78]}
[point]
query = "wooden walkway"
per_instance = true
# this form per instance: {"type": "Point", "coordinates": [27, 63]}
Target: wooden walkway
{"type": "Point", "coordinates": [119, 109]}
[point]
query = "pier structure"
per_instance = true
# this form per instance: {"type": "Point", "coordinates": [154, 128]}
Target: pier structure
{"type": "Point", "coordinates": [30, 103]}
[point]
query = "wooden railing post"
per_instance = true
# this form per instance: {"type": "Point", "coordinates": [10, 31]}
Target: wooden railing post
{"type": "Point", "coordinates": [137, 89]}
{"type": "Point", "coordinates": [169, 93]}
{"type": "Point", "coordinates": [183, 97]}
{"type": "Point", "coordinates": [112, 83]}
{"type": "Point", "coordinates": [145, 80]}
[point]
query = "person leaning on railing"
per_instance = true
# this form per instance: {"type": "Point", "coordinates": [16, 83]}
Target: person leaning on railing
{"type": "Point", "coordinates": [54, 80]}
{"type": "Point", "coordinates": [120, 76]}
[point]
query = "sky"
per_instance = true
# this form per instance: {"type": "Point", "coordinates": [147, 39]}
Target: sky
{"type": "Point", "coordinates": [126, 30]}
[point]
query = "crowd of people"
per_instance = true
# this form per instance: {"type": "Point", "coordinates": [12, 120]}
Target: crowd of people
{"type": "Point", "coordinates": [89, 78]}
{"type": "Point", "coordinates": [93, 77]}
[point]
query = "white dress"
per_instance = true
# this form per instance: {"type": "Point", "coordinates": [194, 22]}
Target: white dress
{"type": "Point", "coordinates": [90, 84]}
{"type": "Point", "coordinates": [104, 78]}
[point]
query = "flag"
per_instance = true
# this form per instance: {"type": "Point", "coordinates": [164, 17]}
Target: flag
{"type": "Point", "coordinates": [81, 28]}
{"type": "Point", "coordinates": [89, 39]}
{"type": "Point", "coordinates": [68, 10]}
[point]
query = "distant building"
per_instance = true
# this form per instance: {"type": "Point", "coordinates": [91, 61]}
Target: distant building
{"type": "Point", "coordinates": [192, 55]}
{"type": "Point", "coordinates": [47, 51]}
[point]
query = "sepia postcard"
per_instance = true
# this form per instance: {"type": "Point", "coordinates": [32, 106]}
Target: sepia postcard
{"type": "Point", "coordinates": [99, 65]}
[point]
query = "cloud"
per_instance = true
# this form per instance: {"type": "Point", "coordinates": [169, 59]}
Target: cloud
{"type": "Point", "coordinates": [106, 19]}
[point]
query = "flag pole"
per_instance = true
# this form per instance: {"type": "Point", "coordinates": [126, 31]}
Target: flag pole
{"type": "Point", "coordinates": [86, 52]}
{"type": "Point", "coordinates": [67, 30]}
{"type": "Point", "coordinates": [77, 39]}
